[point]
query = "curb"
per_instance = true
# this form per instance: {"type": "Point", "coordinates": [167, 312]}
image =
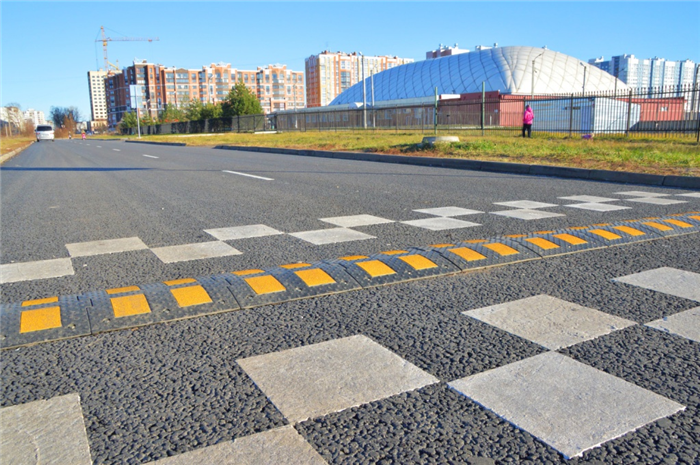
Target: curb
{"type": "Point", "coordinates": [688, 182]}
{"type": "Point", "coordinates": [177, 144]}
{"type": "Point", "coordinates": [9, 155]}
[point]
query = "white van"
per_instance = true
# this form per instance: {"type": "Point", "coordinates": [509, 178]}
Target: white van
{"type": "Point", "coordinates": [44, 132]}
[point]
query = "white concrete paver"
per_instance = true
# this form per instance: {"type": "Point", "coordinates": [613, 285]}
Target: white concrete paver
{"type": "Point", "coordinates": [569, 405]}
{"type": "Point", "coordinates": [527, 215]}
{"type": "Point", "coordinates": [597, 207]}
{"type": "Point", "coordinates": [242, 232]}
{"type": "Point", "coordinates": [526, 204]}
{"type": "Point", "coordinates": [671, 281]}
{"type": "Point", "coordinates": [448, 211]}
{"type": "Point", "coordinates": [356, 220]}
{"type": "Point", "coordinates": [306, 382]}
{"type": "Point", "coordinates": [685, 324]}
{"type": "Point", "coordinates": [440, 223]}
{"type": "Point", "coordinates": [197, 251]}
{"type": "Point", "coordinates": [283, 446]}
{"type": "Point", "coordinates": [43, 269]}
{"type": "Point", "coordinates": [331, 236]}
{"type": "Point", "coordinates": [44, 431]}
{"type": "Point", "coordinates": [87, 249]}
{"type": "Point", "coordinates": [548, 321]}
{"type": "Point", "coordinates": [656, 201]}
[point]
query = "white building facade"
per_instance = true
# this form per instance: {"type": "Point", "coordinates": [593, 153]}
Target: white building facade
{"type": "Point", "coordinates": [98, 97]}
{"type": "Point", "coordinates": [650, 72]}
{"type": "Point", "coordinates": [35, 116]}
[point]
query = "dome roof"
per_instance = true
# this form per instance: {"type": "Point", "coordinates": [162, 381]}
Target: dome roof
{"type": "Point", "coordinates": [505, 69]}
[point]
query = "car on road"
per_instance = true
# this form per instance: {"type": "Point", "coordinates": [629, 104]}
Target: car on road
{"type": "Point", "coordinates": [44, 132]}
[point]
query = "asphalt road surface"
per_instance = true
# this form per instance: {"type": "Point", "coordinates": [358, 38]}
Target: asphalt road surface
{"type": "Point", "coordinates": [590, 357]}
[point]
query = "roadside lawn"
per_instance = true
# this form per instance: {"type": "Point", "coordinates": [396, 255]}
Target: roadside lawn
{"type": "Point", "coordinates": [11, 143]}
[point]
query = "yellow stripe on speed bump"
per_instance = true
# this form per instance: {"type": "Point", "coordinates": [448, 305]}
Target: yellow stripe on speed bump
{"type": "Point", "coordinates": [440, 246]}
{"type": "Point", "coordinates": [292, 266]}
{"type": "Point", "coordinates": [265, 284]}
{"type": "Point", "coordinates": [175, 282]}
{"type": "Point", "coordinates": [628, 230]}
{"type": "Point", "coordinates": [350, 258]}
{"type": "Point", "coordinates": [48, 300]}
{"type": "Point", "coordinates": [129, 305]}
{"type": "Point", "coordinates": [315, 277]}
{"type": "Point", "coordinates": [468, 254]}
{"type": "Point", "coordinates": [190, 295]}
{"type": "Point", "coordinates": [659, 226]}
{"type": "Point", "coordinates": [570, 239]}
{"type": "Point", "coordinates": [121, 290]}
{"type": "Point", "coordinates": [681, 224]}
{"type": "Point", "coordinates": [501, 249]}
{"type": "Point", "coordinates": [475, 241]}
{"type": "Point", "coordinates": [40, 319]}
{"type": "Point", "coordinates": [516, 236]}
{"type": "Point", "coordinates": [418, 262]}
{"type": "Point", "coordinates": [542, 243]}
{"type": "Point", "coordinates": [695, 217]}
{"type": "Point", "coordinates": [394, 252]}
{"type": "Point", "coordinates": [375, 268]}
{"type": "Point", "coordinates": [247, 272]}
{"type": "Point", "coordinates": [605, 234]}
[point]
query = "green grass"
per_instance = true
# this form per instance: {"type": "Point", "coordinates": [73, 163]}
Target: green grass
{"type": "Point", "coordinates": [670, 155]}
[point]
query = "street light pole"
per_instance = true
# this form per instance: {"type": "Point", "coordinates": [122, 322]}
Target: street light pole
{"type": "Point", "coordinates": [584, 77]}
{"type": "Point", "coordinates": [532, 88]}
{"type": "Point", "coordinates": [364, 92]}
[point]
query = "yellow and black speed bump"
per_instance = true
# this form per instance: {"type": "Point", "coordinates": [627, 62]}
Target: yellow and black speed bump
{"type": "Point", "coordinates": [691, 218]}
{"type": "Point", "coordinates": [396, 266]}
{"type": "Point", "coordinates": [483, 253]}
{"type": "Point", "coordinates": [253, 288]}
{"type": "Point", "coordinates": [548, 243]}
{"type": "Point", "coordinates": [679, 225]}
{"type": "Point", "coordinates": [42, 320]}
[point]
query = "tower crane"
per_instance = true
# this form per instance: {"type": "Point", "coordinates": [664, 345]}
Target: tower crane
{"type": "Point", "coordinates": [106, 39]}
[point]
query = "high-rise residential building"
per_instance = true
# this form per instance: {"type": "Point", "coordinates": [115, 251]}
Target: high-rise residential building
{"type": "Point", "coordinates": [648, 73]}
{"type": "Point", "coordinates": [328, 74]}
{"type": "Point", "coordinates": [151, 87]}
{"type": "Point", "coordinates": [445, 51]}
{"type": "Point", "coordinates": [98, 98]}
{"type": "Point", "coordinates": [35, 116]}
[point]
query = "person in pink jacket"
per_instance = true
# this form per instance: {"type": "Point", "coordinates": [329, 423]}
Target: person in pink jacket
{"type": "Point", "coordinates": [528, 118]}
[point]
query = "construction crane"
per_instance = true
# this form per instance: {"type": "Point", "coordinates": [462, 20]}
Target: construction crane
{"type": "Point", "coordinates": [106, 39]}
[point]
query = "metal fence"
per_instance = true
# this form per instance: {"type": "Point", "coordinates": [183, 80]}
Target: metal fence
{"type": "Point", "coordinates": [637, 112]}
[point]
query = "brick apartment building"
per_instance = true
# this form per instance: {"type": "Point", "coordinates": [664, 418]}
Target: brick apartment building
{"type": "Point", "coordinates": [276, 87]}
{"type": "Point", "coordinates": [328, 74]}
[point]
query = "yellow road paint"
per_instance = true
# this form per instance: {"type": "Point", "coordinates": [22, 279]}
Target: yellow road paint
{"type": "Point", "coordinates": [516, 236]}
{"type": "Point", "coordinates": [175, 282]}
{"type": "Point", "coordinates": [628, 230]}
{"type": "Point", "coordinates": [601, 225]}
{"type": "Point", "coordinates": [247, 272]}
{"type": "Point", "coordinates": [476, 241]}
{"type": "Point", "coordinates": [568, 238]}
{"type": "Point", "coordinates": [418, 262]}
{"type": "Point", "coordinates": [191, 295]}
{"type": "Point", "coordinates": [579, 228]}
{"type": "Point", "coordinates": [394, 252]}
{"type": "Point", "coordinates": [605, 234]}
{"type": "Point", "coordinates": [292, 266]}
{"type": "Point", "coordinates": [543, 232]}
{"type": "Point", "coordinates": [439, 246]}
{"type": "Point", "coordinates": [501, 249]}
{"type": "Point", "coordinates": [315, 277]}
{"type": "Point", "coordinates": [130, 305]}
{"type": "Point", "coordinates": [121, 290]}
{"type": "Point", "coordinates": [350, 258]}
{"type": "Point", "coordinates": [681, 224]}
{"type": "Point", "coordinates": [542, 243]}
{"type": "Point", "coordinates": [659, 226]}
{"type": "Point", "coordinates": [48, 300]}
{"type": "Point", "coordinates": [40, 319]}
{"type": "Point", "coordinates": [467, 254]}
{"type": "Point", "coordinates": [695, 217]}
{"type": "Point", "coordinates": [265, 284]}
{"type": "Point", "coordinates": [375, 268]}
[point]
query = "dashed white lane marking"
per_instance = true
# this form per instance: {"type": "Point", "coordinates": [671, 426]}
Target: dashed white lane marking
{"type": "Point", "coordinates": [242, 232]}
{"type": "Point", "coordinates": [597, 207]}
{"type": "Point", "coordinates": [448, 211]}
{"type": "Point", "coordinates": [692, 194]}
{"type": "Point", "coordinates": [186, 252]}
{"type": "Point", "coordinates": [116, 150]}
{"type": "Point", "coordinates": [331, 236]}
{"type": "Point", "coordinates": [589, 198]}
{"type": "Point", "coordinates": [99, 146]}
{"type": "Point", "coordinates": [46, 431]}
{"type": "Point", "coordinates": [656, 201]}
{"type": "Point", "coordinates": [28, 271]}
{"type": "Point", "coordinates": [356, 220]}
{"type": "Point", "coordinates": [248, 175]}
{"type": "Point", "coordinates": [86, 249]}
{"type": "Point", "coordinates": [525, 214]}
{"type": "Point", "coordinates": [440, 224]}
{"type": "Point", "coordinates": [642, 194]}
{"type": "Point", "coordinates": [526, 204]}
{"type": "Point", "coordinates": [571, 406]}
{"type": "Point", "coordinates": [150, 156]}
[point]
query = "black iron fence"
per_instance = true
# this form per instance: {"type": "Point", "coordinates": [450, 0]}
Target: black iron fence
{"type": "Point", "coordinates": [636, 112]}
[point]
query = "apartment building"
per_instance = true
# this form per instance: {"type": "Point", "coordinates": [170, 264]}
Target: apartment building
{"type": "Point", "coordinates": [35, 116]}
{"type": "Point", "coordinates": [445, 51]}
{"type": "Point", "coordinates": [650, 72]}
{"type": "Point", "coordinates": [328, 74]}
{"type": "Point", "coordinates": [98, 98]}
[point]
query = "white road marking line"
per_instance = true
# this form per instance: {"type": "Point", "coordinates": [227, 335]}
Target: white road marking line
{"type": "Point", "coordinates": [116, 150]}
{"type": "Point", "coordinates": [99, 146]}
{"type": "Point", "coordinates": [149, 156]}
{"type": "Point", "coordinates": [28, 271]}
{"type": "Point", "coordinates": [248, 175]}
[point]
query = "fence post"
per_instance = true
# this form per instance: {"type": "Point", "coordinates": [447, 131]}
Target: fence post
{"type": "Point", "coordinates": [629, 113]}
{"type": "Point", "coordinates": [483, 98]}
{"type": "Point", "coordinates": [571, 116]}
{"type": "Point", "coordinates": [396, 112]}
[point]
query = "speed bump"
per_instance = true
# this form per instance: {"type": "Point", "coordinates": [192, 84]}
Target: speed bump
{"type": "Point", "coordinates": [479, 254]}
{"type": "Point", "coordinates": [42, 320]}
{"type": "Point", "coordinates": [565, 241]}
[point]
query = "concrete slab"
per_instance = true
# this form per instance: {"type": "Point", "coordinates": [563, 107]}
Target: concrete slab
{"type": "Point", "coordinates": [685, 324]}
{"type": "Point", "coordinates": [569, 405]}
{"type": "Point", "coordinates": [29, 271]}
{"type": "Point", "coordinates": [242, 232]}
{"type": "Point", "coordinates": [88, 249]}
{"type": "Point", "coordinates": [656, 201]}
{"type": "Point", "coordinates": [331, 236]}
{"type": "Point", "coordinates": [448, 211]}
{"type": "Point", "coordinates": [588, 198]}
{"type": "Point", "coordinates": [548, 321]}
{"type": "Point", "coordinates": [597, 207]}
{"type": "Point", "coordinates": [197, 251]}
{"type": "Point", "coordinates": [527, 204]}
{"type": "Point", "coordinates": [44, 431]}
{"type": "Point", "coordinates": [527, 215]}
{"type": "Point", "coordinates": [671, 281]}
{"type": "Point", "coordinates": [440, 223]}
{"type": "Point", "coordinates": [283, 446]}
{"type": "Point", "coordinates": [306, 382]}
{"type": "Point", "coordinates": [356, 220]}
{"type": "Point", "coordinates": [642, 194]}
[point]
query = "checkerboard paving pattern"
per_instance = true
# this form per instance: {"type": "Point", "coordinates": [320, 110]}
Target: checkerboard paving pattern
{"type": "Point", "coordinates": [440, 223]}
{"type": "Point", "coordinates": [684, 324]}
{"type": "Point", "coordinates": [527, 214]}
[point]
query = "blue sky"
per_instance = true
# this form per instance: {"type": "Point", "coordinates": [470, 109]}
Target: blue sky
{"type": "Point", "coordinates": [48, 47]}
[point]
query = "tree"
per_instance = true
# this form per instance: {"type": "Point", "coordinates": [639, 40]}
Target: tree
{"type": "Point", "coordinates": [60, 114]}
{"type": "Point", "coordinates": [128, 121]}
{"type": "Point", "coordinates": [172, 114]}
{"type": "Point", "coordinates": [211, 110]}
{"type": "Point", "coordinates": [241, 101]}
